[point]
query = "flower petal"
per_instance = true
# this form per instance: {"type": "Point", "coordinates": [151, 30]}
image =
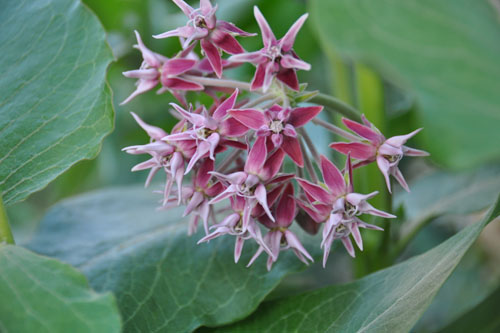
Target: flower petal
{"type": "Point", "coordinates": [285, 210]}
{"type": "Point", "coordinates": [398, 141]}
{"type": "Point", "coordinates": [268, 37]}
{"type": "Point", "coordinates": [186, 9]}
{"type": "Point", "coordinates": [363, 131]}
{"type": "Point", "coordinates": [257, 156]}
{"type": "Point", "coordinates": [295, 243]}
{"type": "Point", "coordinates": [238, 247]}
{"type": "Point", "coordinates": [261, 196]}
{"type": "Point", "coordinates": [332, 176]}
{"type": "Point", "coordinates": [251, 118]}
{"type": "Point", "coordinates": [232, 128]}
{"type": "Point", "coordinates": [228, 103]}
{"type": "Point", "coordinates": [356, 235]}
{"type": "Point", "coordinates": [289, 39]}
{"type": "Point", "coordinates": [384, 167]}
{"type": "Point", "coordinates": [272, 165]}
{"type": "Point", "coordinates": [142, 87]}
{"type": "Point", "coordinates": [226, 42]}
{"type": "Point", "coordinates": [316, 191]}
{"type": "Point", "coordinates": [231, 28]}
{"type": "Point", "coordinates": [414, 152]}
{"type": "Point", "coordinates": [399, 177]}
{"type": "Point", "coordinates": [301, 116]}
{"type": "Point", "coordinates": [203, 174]}
{"type": "Point", "coordinates": [289, 77]}
{"type": "Point", "coordinates": [291, 147]}
{"type": "Point", "coordinates": [149, 56]}
{"type": "Point", "coordinates": [258, 78]}
{"type": "Point", "coordinates": [348, 246]}
{"type": "Point", "coordinates": [153, 131]}
{"type": "Point", "coordinates": [181, 84]}
{"type": "Point", "coordinates": [289, 61]}
{"type": "Point", "coordinates": [357, 150]}
{"type": "Point", "coordinates": [178, 66]}
{"type": "Point", "coordinates": [213, 56]}
{"type": "Point", "coordinates": [256, 57]}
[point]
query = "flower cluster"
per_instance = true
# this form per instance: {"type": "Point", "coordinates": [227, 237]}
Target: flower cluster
{"type": "Point", "coordinates": [227, 159]}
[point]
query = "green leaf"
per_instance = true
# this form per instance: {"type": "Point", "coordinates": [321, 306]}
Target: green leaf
{"type": "Point", "coordinates": [456, 193]}
{"type": "Point", "coordinates": [482, 319]}
{"type": "Point", "coordinates": [40, 294]}
{"type": "Point", "coordinates": [445, 52]}
{"type": "Point", "coordinates": [391, 300]}
{"type": "Point", "coordinates": [163, 281]}
{"type": "Point", "coordinates": [55, 107]}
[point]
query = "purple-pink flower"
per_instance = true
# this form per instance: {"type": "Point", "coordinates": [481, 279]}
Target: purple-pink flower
{"type": "Point", "coordinates": [213, 34]}
{"type": "Point", "coordinates": [277, 58]}
{"type": "Point", "coordinates": [338, 207]}
{"type": "Point", "coordinates": [373, 146]}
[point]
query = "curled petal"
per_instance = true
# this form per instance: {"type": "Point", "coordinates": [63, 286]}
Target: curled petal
{"type": "Point", "coordinates": [213, 56]}
{"type": "Point", "coordinates": [261, 196]}
{"type": "Point", "coordinates": [142, 87]}
{"type": "Point", "coordinates": [145, 74]}
{"type": "Point", "coordinates": [289, 39]}
{"type": "Point", "coordinates": [153, 131]}
{"type": "Point", "coordinates": [398, 141]}
{"type": "Point", "coordinates": [289, 61]}
{"type": "Point", "coordinates": [332, 176]}
{"type": "Point", "coordinates": [356, 235]}
{"type": "Point", "coordinates": [236, 178]}
{"type": "Point", "coordinates": [357, 150]}
{"type": "Point", "coordinates": [363, 131]}
{"type": "Point", "coordinates": [301, 116]}
{"type": "Point", "coordinates": [295, 243]}
{"type": "Point", "coordinates": [348, 246]}
{"type": "Point", "coordinates": [268, 37]}
{"type": "Point", "coordinates": [399, 177]}
{"type": "Point", "coordinates": [232, 189]}
{"type": "Point", "coordinates": [151, 163]}
{"type": "Point", "coordinates": [231, 28]}
{"type": "Point", "coordinates": [414, 152]}
{"type": "Point", "coordinates": [384, 167]}
{"type": "Point", "coordinates": [194, 118]}
{"type": "Point", "coordinates": [186, 9]}
{"type": "Point", "coordinates": [149, 57]}
{"type": "Point", "coordinates": [195, 201]}
{"type": "Point", "coordinates": [238, 247]}
{"type": "Point", "coordinates": [184, 32]}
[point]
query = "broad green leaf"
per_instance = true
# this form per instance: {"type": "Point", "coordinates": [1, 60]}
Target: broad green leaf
{"type": "Point", "coordinates": [482, 319]}
{"type": "Point", "coordinates": [445, 52]}
{"type": "Point", "coordinates": [40, 294]}
{"type": "Point", "coordinates": [163, 281]}
{"type": "Point", "coordinates": [55, 107]}
{"type": "Point", "coordinates": [456, 193]}
{"type": "Point", "coordinates": [390, 300]}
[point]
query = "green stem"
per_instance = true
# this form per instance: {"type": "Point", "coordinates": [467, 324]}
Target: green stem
{"type": "Point", "coordinates": [337, 105]}
{"type": "Point", "coordinates": [5, 232]}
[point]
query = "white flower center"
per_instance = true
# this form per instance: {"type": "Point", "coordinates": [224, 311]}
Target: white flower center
{"type": "Point", "coordinates": [276, 126]}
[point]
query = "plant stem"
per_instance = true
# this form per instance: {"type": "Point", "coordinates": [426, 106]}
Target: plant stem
{"type": "Point", "coordinates": [334, 129]}
{"type": "Point", "coordinates": [5, 232]}
{"type": "Point", "coordinates": [309, 143]}
{"type": "Point", "coordinates": [337, 105]}
{"type": "Point", "coordinates": [213, 82]}
{"type": "Point", "coordinates": [308, 164]}
{"type": "Point", "coordinates": [229, 159]}
{"type": "Point", "coordinates": [257, 101]}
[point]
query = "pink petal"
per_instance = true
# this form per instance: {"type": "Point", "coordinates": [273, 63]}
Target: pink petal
{"type": "Point", "coordinates": [181, 84]}
{"type": "Point", "coordinates": [153, 131]}
{"type": "Point", "coordinates": [414, 152]}
{"type": "Point", "coordinates": [194, 118]}
{"type": "Point", "coordinates": [348, 170]}
{"type": "Point", "coordinates": [301, 116]}
{"type": "Point", "coordinates": [203, 175]}
{"type": "Point", "coordinates": [232, 128]}
{"type": "Point", "coordinates": [257, 156]}
{"type": "Point", "coordinates": [398, 141]}
{"type": "Point", "coordinates": [348, 246]}
{"type": "Point", "coordinates": [289, 61]}
{"type": "Point", "coordinates": [326, 249]}
{"type": "Point", "coordinates": [251, 118]}
{"type": "Point", "coordinates": [289, 130]}
{"type": "Point", "coordinates": [268, 37]}
{"type": "Point", "coordinates": [143, 86]}
{"type": "Point", "coordinates": [357, 235]}
{"type": "Point", "coordinates": [295, 243]}
{"type": "Point", "coordinates": [231, 190]}
{"type": "Point", "coordinates": [213, 56]}
{"type": "Point", "coordinates": [285, 210]}
{"type": "Point", "coordinates": [238, 247]}
{"type": "Point", "coordinates": [253, 57]}
{"type": "Point", "coordinates": [332, 176]}
{"type": "Point", "coordinates": [255, 256]}
{"type": "Point", "coordinates": [237, 178]}
{"type": "Point", "coordinates": [272, 165]}
{"type": "Point", "coordinates": [289, 77]}
{"type": "Point", "coordinates": [363, 131]}
{"type": "Point", "coordinates": [258, 78]}
{"type": "Point", "coordinates": [222, 109]}
{"type": "Point", "coordinates": [213, 140]}
{"type": "Point", "coordinates": [178, 66]}
{"type": "Point", "coordinates": [151, 163]}
{"type": "Point", "coordinates": [188, 135]}
{"type": "Point", "coordinates": [261, 196]}
{"type": "Point", "coordinates": [384, 167]}
{"type": "Point", "coordinates": [202, 150]}
{"type": "Point", "coordinates": [289, 39]}
{"type": "Point", "coordinates": [401, 180]}
{"type": "Point", "coordinates": [291, 146]}
{"type": "Point", "coordinates": [186, 9]}
{"type": "Point", "coordinates": [268, 76]}
{"type": "Point", "coordinates": [148, 55]}
{"type": "Point", "coordinates": [195, 201]}
{"type": "Point", "coordinates": [314, 214]}
{"type": "Point", "coordinates": [360, 151]}
{"type": "Point", "coordinates": [152, 173]}
{"type": "Point", "coordinates": [316, 191]}
{"type": "Point", "coordinates": [145, 74]}
{"type": "Point", "coordinates": [226, 42]}
{"type": "Point", "coordinates": [231, 28]}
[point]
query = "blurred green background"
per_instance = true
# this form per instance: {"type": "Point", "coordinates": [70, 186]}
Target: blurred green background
{"type": "Point", "coordinates": [388, 105]}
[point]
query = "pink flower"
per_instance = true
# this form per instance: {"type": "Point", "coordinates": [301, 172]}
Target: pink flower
{"type": "Point", "coordinates": [250, 184]}
{"type": "Point", "coordinates": [170, 158]}
{"type": "Point", "coordinates": [214, 35]}
{"type": "Point", "coordinates": [233, 225]}
{"type": "Point", "coordinates": [156, 68]}
{"type": "Point", "coordinates": [211, 132]}
{"type": "Point", "coordinates": [375, 147]}
{"type": "Point", "coordinates": [277, 58]}
{"type": "Point", "coordinates": [279, 238]}
{"type": "Point", "coordinates": [278, 125]}
{"type": "Point", "coordinates": [336, 205]}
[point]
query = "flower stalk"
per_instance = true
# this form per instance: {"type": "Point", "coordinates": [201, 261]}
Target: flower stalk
{"type": "Point", "coordinates": [6, 236]}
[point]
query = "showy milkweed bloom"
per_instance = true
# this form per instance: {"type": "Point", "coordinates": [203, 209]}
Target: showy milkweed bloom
{"type": "Point", "coordinates": [157, 69]}
{"type": "Point", "coordinates": [214, 34]}
{"type": "Point", "coordinates": [373, 146]}
{"type": "Point", "coordinates": [278, 124]}
{"type": "Point", "coordinates": [338, 207]}
{"type": "Point", "coordinates": [279, 237]}
{"type": "Point", "coordinates": [277, 58]}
